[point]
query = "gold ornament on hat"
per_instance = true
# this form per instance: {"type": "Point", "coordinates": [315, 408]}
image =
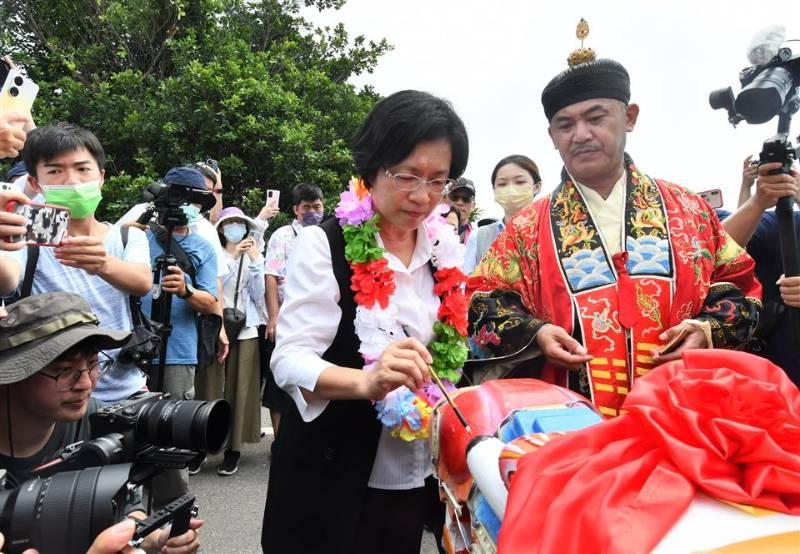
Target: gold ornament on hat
{"type": "Point", "coordinates": [581, 55]}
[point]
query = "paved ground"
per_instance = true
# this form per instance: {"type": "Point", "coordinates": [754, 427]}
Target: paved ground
{"type": "Point", "coordinates": [232, 506]}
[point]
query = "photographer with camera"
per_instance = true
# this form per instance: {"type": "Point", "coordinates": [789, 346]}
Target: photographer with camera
{"type": "Point", "coordinates": [188, 297]}
{"type": "Point", "coordinates": [65, 163]}
{"type": "Point", "coordinates": [755, 225]}
{"type": "Point", "coordinates": [50, 360]}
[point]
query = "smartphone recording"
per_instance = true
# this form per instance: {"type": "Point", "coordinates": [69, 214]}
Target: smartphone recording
{"type": "Point", "coordinates": [45, 225]}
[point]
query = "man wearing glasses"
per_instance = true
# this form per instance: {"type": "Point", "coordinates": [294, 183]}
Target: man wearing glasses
{"type": "Point", "coordinates": [50, 360]}
{"type": "Point", "coordinates": [462, 197]}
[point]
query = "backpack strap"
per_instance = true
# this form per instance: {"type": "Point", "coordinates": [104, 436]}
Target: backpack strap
{"type": "Point", "coordinates": [30, 269]}
{"type": "Point", "coordinates": [134, 301]}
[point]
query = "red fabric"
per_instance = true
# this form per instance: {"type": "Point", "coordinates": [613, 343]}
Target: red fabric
{"type": "Point", "coordinates": [629, 312]}
{"type": "Point", "coordinates": [724, 422]}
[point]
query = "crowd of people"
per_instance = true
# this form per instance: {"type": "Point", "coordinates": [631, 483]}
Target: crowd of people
{"type": "Point", "coordinates": [612, 274]}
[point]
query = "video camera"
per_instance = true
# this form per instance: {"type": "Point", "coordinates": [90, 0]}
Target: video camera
{"type": "Point", "coordinates": [767, 88]}
{"type": "Point", "coordinates": [165, 201]}
{"type": "Point", "coordinates": [89, 483]}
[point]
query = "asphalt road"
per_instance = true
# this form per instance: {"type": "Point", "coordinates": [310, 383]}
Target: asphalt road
{"type": "Point", "coordinates": [232, 506]}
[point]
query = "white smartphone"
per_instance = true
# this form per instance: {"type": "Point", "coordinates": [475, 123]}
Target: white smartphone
{"type": "Point", "coordinates": [18, 93]}
{"type": "Point", "coordinates": [713, 197]}
{"type": "Point", "coordinates": [273, 197]}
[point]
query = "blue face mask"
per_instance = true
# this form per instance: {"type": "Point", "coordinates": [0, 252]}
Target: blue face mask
{"type": "Point", "coordinates": [234, 232]}
{"type": "Point", "coordinates": [312, 218]}
{"type": "Point", "coordinates": [192, 213]}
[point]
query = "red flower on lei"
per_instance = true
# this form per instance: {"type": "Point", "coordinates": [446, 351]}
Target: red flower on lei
{"type": "Point", "coordinates": [450, 289]}
{"type": "Point", "coordinates": [372, 282]}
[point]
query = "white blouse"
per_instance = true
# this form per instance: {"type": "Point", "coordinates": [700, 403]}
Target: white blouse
{"type": "Point", "coordinates": [307, 324]}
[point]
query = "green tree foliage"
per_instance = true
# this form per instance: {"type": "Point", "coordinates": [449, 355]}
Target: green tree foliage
{"type": "Point", "coordinates": [250, 83]}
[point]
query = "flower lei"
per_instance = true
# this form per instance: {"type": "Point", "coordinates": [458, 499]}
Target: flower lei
{"type": "Point", "coordinates": [404, 412]}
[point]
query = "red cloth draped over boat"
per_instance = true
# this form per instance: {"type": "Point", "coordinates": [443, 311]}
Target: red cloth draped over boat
{"type": "Point", "coordinates": [721, 422]}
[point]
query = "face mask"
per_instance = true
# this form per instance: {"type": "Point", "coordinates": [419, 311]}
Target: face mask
{"type": "Point", "coordinates": [81, 199]}
{"type": "Point", "coordinates": [513, 197]}
{"type": "Point", "coordinates": [192, 213]}
{"type": "Point", "coordinates": [312, 218]}
{"type": "Point", "coordinates": [234, 232]}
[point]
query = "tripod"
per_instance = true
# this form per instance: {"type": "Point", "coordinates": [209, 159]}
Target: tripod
{"type": "Point", "coordinates": [779, 149]}
{"type": "Point", "coordinates": [161, 310]}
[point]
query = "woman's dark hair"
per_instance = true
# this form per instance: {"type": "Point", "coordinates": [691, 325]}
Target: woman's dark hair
{"type": "Point", "coordinates": [398, 123]}
{"type": "Point", "coordinates": [523, 161]}
{"type": "Point", "coordinates": [305, 192]}
{"type": "Point", "coordinates": [50, 141]}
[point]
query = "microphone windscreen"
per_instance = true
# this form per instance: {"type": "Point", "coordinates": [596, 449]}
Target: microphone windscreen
{"type": "Point", "coordinates": [765, 44]}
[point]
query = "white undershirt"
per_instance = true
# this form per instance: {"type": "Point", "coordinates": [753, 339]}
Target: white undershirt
{"type": "Point", "coordinates": [607, 213]}
{"type": "Point", "coordinates": [307, 324]}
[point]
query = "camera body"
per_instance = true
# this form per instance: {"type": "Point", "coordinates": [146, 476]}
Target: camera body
{"type": "Point", "coordinates": [89, 483]}
{"type": "Point", "coordinates": [166, 200]}
{"type": "Point", "coordinates": [150, 431]}
{"type": "Point", "coordinates": [767, 89]}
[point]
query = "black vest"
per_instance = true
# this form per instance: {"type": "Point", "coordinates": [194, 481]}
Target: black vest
{"type": "Point", "coordinates": [320, 469]}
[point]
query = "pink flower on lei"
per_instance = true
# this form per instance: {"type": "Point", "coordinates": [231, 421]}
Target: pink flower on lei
{"type": "Point", "coordinates": [353, 210]}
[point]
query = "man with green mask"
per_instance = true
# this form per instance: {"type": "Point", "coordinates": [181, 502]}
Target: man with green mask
{"type": "Point", "coordinates": [66, 166]}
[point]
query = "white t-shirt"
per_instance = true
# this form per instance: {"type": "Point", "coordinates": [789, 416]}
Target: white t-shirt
{"type": "Point", "coordinates": [111, 306]}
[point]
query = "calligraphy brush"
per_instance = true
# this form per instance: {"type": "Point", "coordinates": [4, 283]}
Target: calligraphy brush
{"type": "Point", "coordinates": [442, 388]}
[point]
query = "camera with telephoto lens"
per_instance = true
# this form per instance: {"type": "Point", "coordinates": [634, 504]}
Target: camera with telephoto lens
{"type": "Point", "coordinates": [767, 88]}
{"type": "Point", "coordinates": [64, 513]}
{"type": "Point", "coordinates": [164, 200]}
{"type": "Point", "coordinates": [151, 431]}
{"type": "Point", "coordinates": [89, 483]}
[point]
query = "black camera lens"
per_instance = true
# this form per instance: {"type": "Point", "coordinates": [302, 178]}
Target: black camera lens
{"type": "Point", "coordinates": [18, 81]}
{"type": "Point", "coordinates": [190, 424]}
{"type": "Point", "coordinates": [761, 100]}
{"type": "Point", "coordinates": [65, 512]}
{"type": "Point", "coordinates": [13, 91]}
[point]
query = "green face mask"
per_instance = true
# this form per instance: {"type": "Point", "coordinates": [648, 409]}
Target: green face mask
{"type": "Point", "coordinates": [81, 199]}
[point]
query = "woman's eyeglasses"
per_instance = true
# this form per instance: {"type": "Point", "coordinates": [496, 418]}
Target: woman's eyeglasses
{"type": "Point", "coordinates": [407, 182]}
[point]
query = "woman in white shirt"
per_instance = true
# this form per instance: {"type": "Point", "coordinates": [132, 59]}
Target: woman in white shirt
{"type": "Point", "coordinates": [339, 481]}
{"type": "Point", "coordinates": [242, 288]}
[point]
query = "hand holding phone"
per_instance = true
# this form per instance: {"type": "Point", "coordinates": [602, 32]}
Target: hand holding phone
{"type": "Point", "coordinates": [12, 225]}
{"type": "Point", "coordinates": [17, 93]}
{"type": "Point", "coordinates": [45, 225]}
{"type": "Point", "coordinates": [273, 198]}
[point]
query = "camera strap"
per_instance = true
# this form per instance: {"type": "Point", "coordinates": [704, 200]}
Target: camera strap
{"type": "Point", "coordinates": [238, 280]}
{"type": "Point", "coordinates": [30, 269]}
{"type": "Point", "coordinates": [184, 262]}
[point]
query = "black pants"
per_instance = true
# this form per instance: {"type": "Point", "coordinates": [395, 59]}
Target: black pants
{"type": "Point", "coordinates": [392, 521]}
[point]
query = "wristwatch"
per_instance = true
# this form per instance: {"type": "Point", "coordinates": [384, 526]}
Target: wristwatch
{"type": "Point", "coordinates": [190, 290]}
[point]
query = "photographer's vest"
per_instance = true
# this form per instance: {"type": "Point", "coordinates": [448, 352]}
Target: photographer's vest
{"type": "Point", "coordinates": [320, 469]}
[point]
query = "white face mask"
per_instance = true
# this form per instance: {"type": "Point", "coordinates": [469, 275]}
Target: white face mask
{"type": "Point", "coordinates": [513, 198]}
{"type": "Point", "coordinates": [234, 232]}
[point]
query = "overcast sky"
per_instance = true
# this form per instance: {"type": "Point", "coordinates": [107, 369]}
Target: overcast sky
{"type": "Point", "coordinates": [491, 59]}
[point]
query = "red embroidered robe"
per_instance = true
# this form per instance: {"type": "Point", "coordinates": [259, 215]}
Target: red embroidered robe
{"type": "Point", "coordinates": [551, 265]}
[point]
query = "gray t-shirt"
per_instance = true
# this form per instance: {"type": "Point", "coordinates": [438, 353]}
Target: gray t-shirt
{"type": "Point", "coordinates": [111, 306]}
